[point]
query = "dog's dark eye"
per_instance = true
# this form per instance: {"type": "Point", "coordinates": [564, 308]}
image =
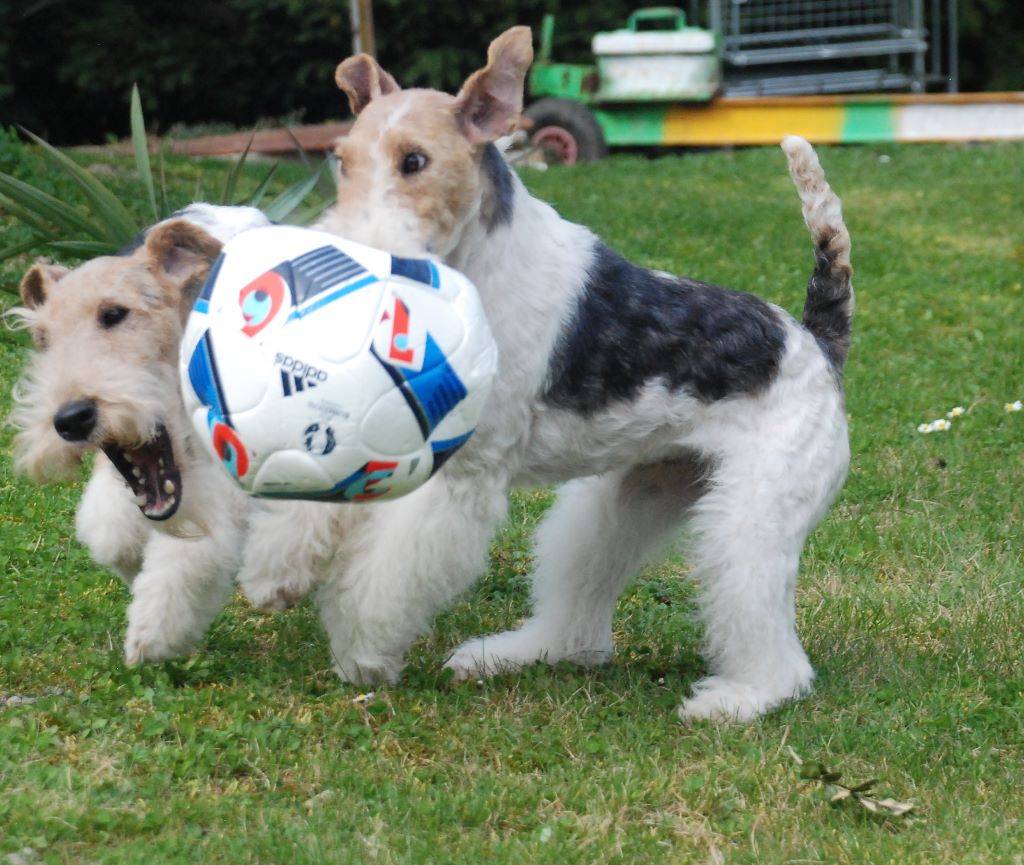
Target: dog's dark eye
{"type": "Point", "coordinates": [111, 316]}
{"type": "Point", "coordinates": [413, 162]}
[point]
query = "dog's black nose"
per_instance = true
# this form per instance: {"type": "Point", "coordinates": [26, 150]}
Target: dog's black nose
{"type": "Point", "coordinates": [75, 421]}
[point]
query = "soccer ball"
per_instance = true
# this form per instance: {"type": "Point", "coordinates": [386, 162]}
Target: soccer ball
{"type": "Point", "coordinates": [315, 367]}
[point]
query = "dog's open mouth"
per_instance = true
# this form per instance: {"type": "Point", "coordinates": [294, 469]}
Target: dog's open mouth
{"type": "Point", "coordinates": [151, 473]}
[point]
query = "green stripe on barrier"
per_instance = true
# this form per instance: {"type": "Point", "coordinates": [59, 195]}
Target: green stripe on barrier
{"type": "Point", "coordinates": [868, 121]}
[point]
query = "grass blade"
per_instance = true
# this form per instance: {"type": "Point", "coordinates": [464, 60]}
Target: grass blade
{"type": "Point", "coordinates": [311, 213]}
{"type": "Point", "coordinates": [331, 189]}
{"type": "Point", "coordinates": [119, 224]}
{"type": "Point", "coordinates": [299, 149]}
{"type": "Point", "coordinates": [283, 205]}
{"type": "Point", "coordinates": [304, 157]}
{"type": "Point", "coordinates": [141, 146]}
{"type": "Point", "coordinates": [84, 248]}
{"type": "Point", "coordinates": [163, 184]}
{"type": "Point", "coordinates": [45, 207]}
{"type": "Point", "coordinates": [35, 242]}
{"type": "Point", "coordinates": [229, 185]}
{"type": "Point", "coordinates": [261, 190]}
{"type": "Point", "coordinates": [24, 215]}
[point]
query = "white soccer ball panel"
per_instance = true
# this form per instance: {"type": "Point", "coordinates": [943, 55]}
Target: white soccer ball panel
{"type": "Point", "coordinates": [336, 332]}
{"type": "Point", "coordinates": [242, 368]}
{"type": "Point", "coordinates": [390, 427]}
{"type": "Point", "coordinates": [313, 367]}
{"type": "Point", "coordinates": [289, 472]}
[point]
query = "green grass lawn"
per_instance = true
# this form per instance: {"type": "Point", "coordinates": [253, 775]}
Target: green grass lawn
{"type": "Point", "coordinates": [910, 605]}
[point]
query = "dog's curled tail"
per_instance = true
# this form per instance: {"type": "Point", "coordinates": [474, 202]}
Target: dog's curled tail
{"type": "Point", "coordinates": [828, 310]}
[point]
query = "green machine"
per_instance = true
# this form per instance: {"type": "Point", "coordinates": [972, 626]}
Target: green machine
{"type": "Point", "coordinates": [830, 72]}
{"type": "Point", "coordinates": [656, 60]}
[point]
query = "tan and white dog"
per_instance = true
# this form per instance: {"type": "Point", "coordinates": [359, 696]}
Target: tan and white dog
{"type": "Point", "coordinates": [157, 510]}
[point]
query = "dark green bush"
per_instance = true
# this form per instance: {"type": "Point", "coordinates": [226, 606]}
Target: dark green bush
{"type": "Point", "coordinates": [72, 63]}
{"type": "Point", "coordinates": [67, 66]}
{"type": "Point", "coordinates": [991, 45]}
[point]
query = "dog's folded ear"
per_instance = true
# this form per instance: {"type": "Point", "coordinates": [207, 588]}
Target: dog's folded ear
{"type": "Point", "coordinates": [180, 255]}
{"type": "Point", "coordinates": [362, 79]}
{"type": "Point", "coordinates": [36, 284]}
{"type": "Point", "coordinates": [492, 98]}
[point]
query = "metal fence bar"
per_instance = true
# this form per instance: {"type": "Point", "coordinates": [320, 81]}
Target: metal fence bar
{"type": "Point", "coordinates": [954, 54]}
{"type": "Point", "coordinates": [919, 56]}
{"type": "Point", "coordinates": [859, 31]}
{"type": "Point", "coordinates": [834, 38]}
{"type": "Point", "coordinates": [832, 51]}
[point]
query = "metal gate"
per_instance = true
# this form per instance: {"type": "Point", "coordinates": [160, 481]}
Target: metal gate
{"type": "Point", "coordinates": [779, 47]}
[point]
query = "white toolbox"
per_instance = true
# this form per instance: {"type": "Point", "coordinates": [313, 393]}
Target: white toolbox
{"type": "Point", "coordinates": [672, 62]}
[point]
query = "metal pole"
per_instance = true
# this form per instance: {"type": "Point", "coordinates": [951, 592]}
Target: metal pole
{"type": "Point", "coordinates": [917, 84]}
{"type": "Point", "coordinates": [715, 19]}
{"type": "Point", "coordinates": [954, 50]}
{"type": "Point", "coordinates": [361, 15]}
{"type": "Point", "coordinates": [353, 17]}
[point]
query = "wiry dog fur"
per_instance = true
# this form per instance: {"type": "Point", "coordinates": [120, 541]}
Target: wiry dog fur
{"type": "Point", "coordinates": [157, 509]}
{"type": "Point", "coordinates": [665, 402]}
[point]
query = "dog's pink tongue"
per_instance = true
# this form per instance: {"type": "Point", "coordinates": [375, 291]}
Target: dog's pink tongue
{"type": "Point", "coordinates": [151, 475]}
{"type": "Point", "coordinates": [160, 499]}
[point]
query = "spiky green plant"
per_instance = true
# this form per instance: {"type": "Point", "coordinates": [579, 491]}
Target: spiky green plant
{"type": "Point", "coordinates": [104, 225]}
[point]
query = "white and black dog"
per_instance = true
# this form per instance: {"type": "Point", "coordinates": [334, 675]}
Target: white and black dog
{"type": "Point", "coordinates": [663, 401]}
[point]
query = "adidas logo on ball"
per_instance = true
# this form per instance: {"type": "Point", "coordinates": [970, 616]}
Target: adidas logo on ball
{"type": "Point", "coordinates": [296, 375]}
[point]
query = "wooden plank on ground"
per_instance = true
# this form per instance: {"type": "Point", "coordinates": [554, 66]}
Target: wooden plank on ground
{"type": "Point", "coordinates": [271, 142]}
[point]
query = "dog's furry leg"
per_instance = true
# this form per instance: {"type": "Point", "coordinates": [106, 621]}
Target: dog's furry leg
{"type": "Point", "coordinates": [752, 525]}
{"type": "Point", "coordinates": [288, 548]}
{"type": "Point", "coordinates": [595, 538]}
{"type": "Point", "coordinates": [186, 580]}
{"type": "Point", "coordinates": [748, 532]}
{"type": "Point", "coordinates": [109, 524]}
{"type": "Point", "coordinates": [413, 556]}
{"type": "Point", "coordinates": [175, 597]}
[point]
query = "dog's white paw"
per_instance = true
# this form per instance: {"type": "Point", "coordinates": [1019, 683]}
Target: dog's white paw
{"type": "Point", "coordinates": [477, 658]}
{"type": "Point", "coordinates": [147, 644]}
{"type": "Point", "coordinates": [719, 699]}
{"type": "Point", "coordinates": [159, 633]}
{"type": "Point", "coordinates": [272, 597]}
{"type": "Point", "coordinates": [368, 669]}
{"type": "Point", "coordinates": [513, 650]}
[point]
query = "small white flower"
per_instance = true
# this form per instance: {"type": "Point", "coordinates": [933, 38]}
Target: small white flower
{"type": "Point", "coordinates": [924, 428]}
{"type": "Point", "coordinates": [363, 699]}
{"type": "Point", "coordinates": [941, 425]}
{"type": "Point", "coordinates": [955, 412]}
{"type": "Point", "coordinates": [1013, 406]}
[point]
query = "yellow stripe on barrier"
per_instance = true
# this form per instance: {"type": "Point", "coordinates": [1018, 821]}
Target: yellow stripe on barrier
{"type": "Point", "coordinates": [749, 123]}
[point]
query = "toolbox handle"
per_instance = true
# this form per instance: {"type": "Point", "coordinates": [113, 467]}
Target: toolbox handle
{"type": "Point", "coordinates": [658, 13]}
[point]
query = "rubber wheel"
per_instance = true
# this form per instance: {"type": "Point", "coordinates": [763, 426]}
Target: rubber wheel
{"type": "Point", "coordinates": [566, 131]}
